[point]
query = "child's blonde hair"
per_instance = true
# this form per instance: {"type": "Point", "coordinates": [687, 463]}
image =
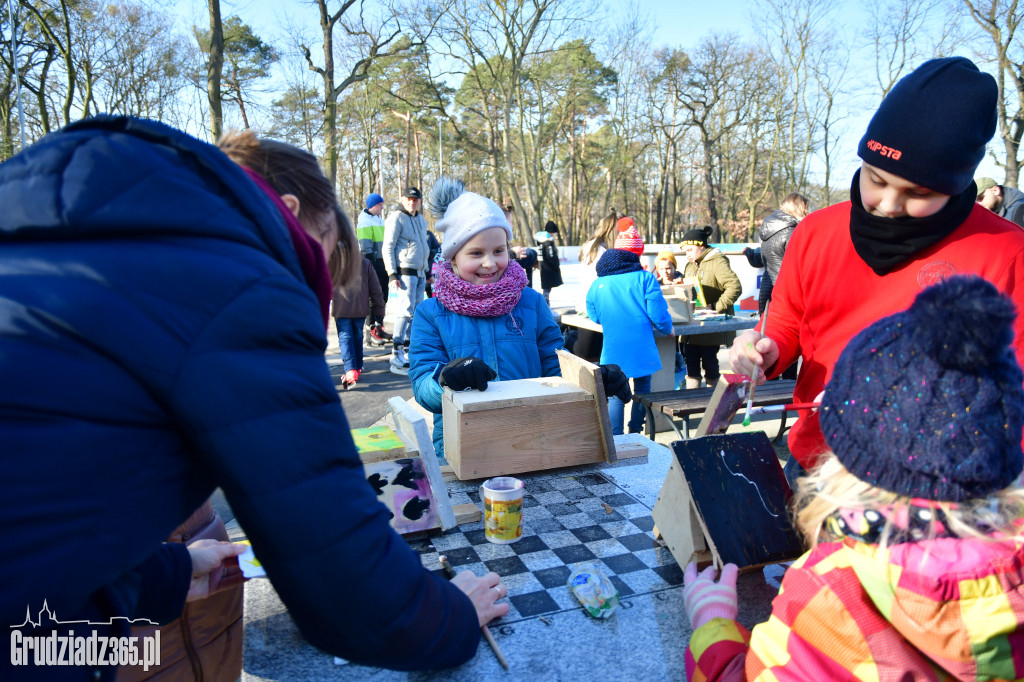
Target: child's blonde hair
{"type": "Point", "coordinates": [829, 488]}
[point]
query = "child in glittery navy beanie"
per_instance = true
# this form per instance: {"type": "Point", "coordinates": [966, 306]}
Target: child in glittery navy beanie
{"type": "Point", "coordinates": [928, 402]}
{"type": "Point", "coordinates": [914, 517]}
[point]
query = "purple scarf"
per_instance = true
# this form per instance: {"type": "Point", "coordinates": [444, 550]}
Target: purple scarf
{"type": "Point", "coordinates": [479, 300]}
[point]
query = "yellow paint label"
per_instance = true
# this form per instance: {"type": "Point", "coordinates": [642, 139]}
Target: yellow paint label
{"type": "Point", "coordinates": [503, 520]}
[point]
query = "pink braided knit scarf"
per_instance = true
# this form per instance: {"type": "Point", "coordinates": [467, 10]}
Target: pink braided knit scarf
{"type": "Point", "coordinates": [479, 300]}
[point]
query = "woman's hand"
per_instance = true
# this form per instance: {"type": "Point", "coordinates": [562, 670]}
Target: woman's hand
{"type": "Point", "coordinates": [214, 567]}
{"type": "Point", "coordinates": [750, 353]}
{"type": "Point", "coordinates": [483, 592]}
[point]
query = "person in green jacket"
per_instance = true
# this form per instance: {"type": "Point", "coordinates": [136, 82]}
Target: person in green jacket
{"type": "Point", "coordinates": [370, 233]}
{"type": "Point", "coordinates": [721, 288]}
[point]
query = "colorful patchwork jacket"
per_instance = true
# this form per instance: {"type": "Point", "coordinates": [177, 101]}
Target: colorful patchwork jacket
{"type": "Point", "coordinates": [944, 609]}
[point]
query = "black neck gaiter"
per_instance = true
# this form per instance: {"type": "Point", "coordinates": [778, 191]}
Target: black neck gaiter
{"type": "Point", "coordinates": [885, 243]}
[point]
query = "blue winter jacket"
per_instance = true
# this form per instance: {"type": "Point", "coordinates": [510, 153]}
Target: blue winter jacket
{"type": "Point", "coordinates": [523, 348]}
{"type": "Point", "coordinates": [626, 306]}
{"type": "Point", "coordinates": [157, 340]}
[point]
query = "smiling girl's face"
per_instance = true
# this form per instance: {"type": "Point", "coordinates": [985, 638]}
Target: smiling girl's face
{"type": "Point", "coordinates": [483, 259]}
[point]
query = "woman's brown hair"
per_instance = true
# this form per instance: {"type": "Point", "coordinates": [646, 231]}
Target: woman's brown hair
{"type": "Point", "coordinates": [290, 170]}
{"type": "Point", "coordinates": [604, 235]}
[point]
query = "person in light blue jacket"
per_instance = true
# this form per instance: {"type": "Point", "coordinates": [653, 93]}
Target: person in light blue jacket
{"type": "Point", "coordinates": [626, 300]}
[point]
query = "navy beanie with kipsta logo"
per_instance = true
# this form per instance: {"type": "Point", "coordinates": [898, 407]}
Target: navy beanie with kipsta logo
{"type": "Point", "coordinates": [932, 127]}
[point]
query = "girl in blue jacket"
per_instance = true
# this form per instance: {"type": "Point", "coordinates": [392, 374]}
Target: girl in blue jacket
{"type": "Point", "coordinates": [484, 322]}
{"type": "Point", "coordinates": [627, 300]}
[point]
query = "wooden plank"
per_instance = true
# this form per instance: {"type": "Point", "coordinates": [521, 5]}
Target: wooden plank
{"type": "Point", "coordinates": [587, 375]}
{"type": "Point", "coordinates": [520, 439]}
{"type": "Point", "coordinates": [450, 430]}
{"type": "Point", "coordinates": [729, 395]}
{"type": "Point", "coordinates": [630, 450]}
{"type": "Point", "coordinates": [403, 487]}
{"type": "Point", "coordinates": [679, 309]}
{"type": "Point", "coordinates": [741, 497]}
{"type": "Point", "coordinates": [676, 520]}
{"type": "Point", "coordinates": [499, 394]}
{"type": "Point", "coordinates": [467, 513]}
{"type": "Point", "coordinates": [447, 474]}
{"type": "Point", "coordinates": [410, 422]}
{"type": "Point", "coordinates": [378, 443]}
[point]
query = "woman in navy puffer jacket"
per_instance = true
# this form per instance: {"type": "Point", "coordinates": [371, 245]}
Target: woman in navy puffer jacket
{"type": "Point", "coordinates": [159, 337]}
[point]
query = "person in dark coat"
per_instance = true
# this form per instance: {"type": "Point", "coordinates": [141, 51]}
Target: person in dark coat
{"type": "Point", "coordinates": [434, 250]}
{"type": "Point", "coordinates": [764, 293]}
{"type": "Point", "coordinates": [350, 307]}
{"type": "Point", "coordinates": [550, 268]}
{"type": "Point", "coordinates": [527, 259]}
{"type": "Point", "coordinates": [777, 228]}
{"type": "Point", "coordinates": [162, 333]}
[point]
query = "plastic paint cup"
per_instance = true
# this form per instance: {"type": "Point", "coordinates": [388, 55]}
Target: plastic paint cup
{"type": "Point", "coordinates": [503, 509]}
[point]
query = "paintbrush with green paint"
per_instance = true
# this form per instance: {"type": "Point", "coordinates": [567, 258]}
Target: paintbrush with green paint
{"type": "Point", "coordinates": [751, 387]}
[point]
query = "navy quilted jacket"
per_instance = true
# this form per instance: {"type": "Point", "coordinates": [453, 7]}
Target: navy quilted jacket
{"type": "Point", "coordinates": [157, 339]}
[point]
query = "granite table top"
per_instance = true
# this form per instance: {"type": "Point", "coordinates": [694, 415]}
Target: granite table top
{"type": "Point", "coordinates": [595, 512]}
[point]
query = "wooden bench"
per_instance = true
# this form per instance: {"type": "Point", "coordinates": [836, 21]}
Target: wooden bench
{"type": "Point", "coordinates": [683, 404]}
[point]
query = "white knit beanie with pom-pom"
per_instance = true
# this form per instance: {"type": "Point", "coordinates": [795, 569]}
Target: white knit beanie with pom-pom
{"type": "Point", "coordinates": [462, 215]}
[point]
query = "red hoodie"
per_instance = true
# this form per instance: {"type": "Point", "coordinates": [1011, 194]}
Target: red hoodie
{"type": "Point", "coordinates": [826, 294]}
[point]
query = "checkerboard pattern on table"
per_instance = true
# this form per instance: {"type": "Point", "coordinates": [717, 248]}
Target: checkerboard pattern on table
{"type": "Point", "coordinates": [565, 522]}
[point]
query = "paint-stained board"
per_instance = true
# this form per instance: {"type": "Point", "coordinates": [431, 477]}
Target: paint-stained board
{"type": "Point", "coordinates": [404, 488]}
{"type": "Point", "coordinates": [378, 443]}
{"type": "Point", "coordinates": [741, 494]}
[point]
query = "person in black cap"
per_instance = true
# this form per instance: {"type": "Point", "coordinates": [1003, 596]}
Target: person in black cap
{"type": "Point", "coordinates": [407, 259]}
{"type": "Point", "coordinates": [911, 221]}
{"type": "Point", "coordinates": [913, 516]}
{"type": "Point", "coordinates": [721, 289]}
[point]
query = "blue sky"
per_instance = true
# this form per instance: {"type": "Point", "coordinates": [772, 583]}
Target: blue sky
{"type": "Point", "coordinates": [676, 23]}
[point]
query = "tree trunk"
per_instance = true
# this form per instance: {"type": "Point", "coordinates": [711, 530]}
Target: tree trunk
{"type": "Point", "coordinates": [214, 69]}
{"type": "Point", "coordinates": [709, 187]}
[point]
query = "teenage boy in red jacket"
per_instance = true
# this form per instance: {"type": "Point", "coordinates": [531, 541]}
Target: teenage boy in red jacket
{"type": "Point", "coordinates": [911, 221]}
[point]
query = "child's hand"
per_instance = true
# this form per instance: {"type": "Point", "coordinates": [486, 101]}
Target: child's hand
{"type": "Point", "coordinates": [463, 373]}
{"type": "Point", "coordinates": [616, 383]}
{"type": "Point", "coordinates": [706, 599]}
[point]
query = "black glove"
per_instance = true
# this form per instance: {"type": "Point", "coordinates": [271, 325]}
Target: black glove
{"type": "Point", "coordinates": [463, 373]}
{"type": "Point", "coordinates": [615, 383]}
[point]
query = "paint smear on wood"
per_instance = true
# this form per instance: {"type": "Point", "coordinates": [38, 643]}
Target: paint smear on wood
{"type": "Point", "coordinates": [402, 486]}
